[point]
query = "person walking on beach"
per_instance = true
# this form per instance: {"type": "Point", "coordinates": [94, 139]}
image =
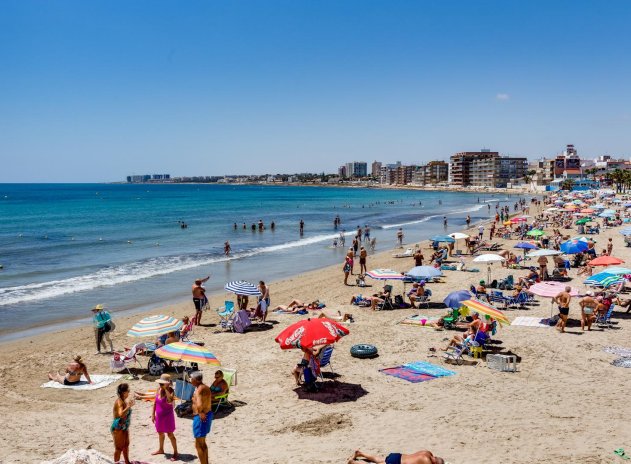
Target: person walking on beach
{"type": "Point", "coordinates": [480, 231]}
{"type": "Point", "coordinates": [202, 415]}
{"type": "Point", "coordinates": [420, 457]}
{"type": "Point", "coordinates": [468, 220]}
{"type": "Point", "coordinates": [302, 227]}
{"type": "Point", "coordinates": [400, 237]}
{"type": "Point", "coordinates": [103, 325]}
{"type": "Point", "coordinates": [163, 415]}
{"type": "Point", "coordinates": [563, 300]}
{"type": "Point", "coordinates": [362, 260]}
{"type": "Point", "coordinates": [351, 256]}
{"type": "Point", "coordinates": [355, 246]}
{"type": "Point", "coordinates": [199, 298]}
{"type": "Point", "coordinates": [226, 248]}
{"type": "Point", "coordinates": [122, 421]}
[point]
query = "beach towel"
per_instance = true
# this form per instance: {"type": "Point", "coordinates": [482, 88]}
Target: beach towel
{"type": "Point", "coordinates": [527, 321]}
{"type": "Point", "coordinates": [618, 350]}
{"type": "Point", "coordinates": [407, 374]}
{"type": "Point", "coordinates": [423, 367]}
{"type": "Point", "coordinates": [99, 381]}
{"type": "Point", "coordinates": [419, 320]}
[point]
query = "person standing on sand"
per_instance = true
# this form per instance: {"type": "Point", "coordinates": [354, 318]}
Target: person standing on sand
{"type": "Point", "coordinates": [480, 231]}
{"type": "Point", "coordinates": [445, 222]}
{"type": "Point", "coordinates": [202, 415]}
{"type": "Point", "coordinates": [199, 298]}
{"type": "Point", "coordinates": [103, 326]}
{"type": "Point", "coordinates": [589, 305]}
{"type": "Point", "coordinates": [362, 260]}
{"type": "Point", "coordinates": [347, 269]}
{"type": "Point", "coordinates": [420, 457]}
{"type": "Point", "coordinates": [418, 257]}
{"type": "Point", "coordinates": [400, 237]}
{"type": "Point", "coordinates": [609, 247]}
{"type": "Point", "coordinates": [563, 300]}
{"type": "Point", "coordinates": [122, 421]}
{"type": "Point", "coordinates": [163, 415]}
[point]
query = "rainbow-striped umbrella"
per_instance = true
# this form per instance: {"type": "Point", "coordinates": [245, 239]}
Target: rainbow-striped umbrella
{"type": "Point", "coordinates": [187, 352]}
{"type": "Point", "coordinates": [481, 308]}
{"type": "Point", "coordinates": [385, 274]}
{"type": "Point", "coordinates": [154, 326]}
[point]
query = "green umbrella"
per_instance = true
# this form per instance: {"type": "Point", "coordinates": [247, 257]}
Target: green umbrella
{"type": "Point", "coordinates": [535, 233]}
{"type": "Point", "coordinates": [583, 221]}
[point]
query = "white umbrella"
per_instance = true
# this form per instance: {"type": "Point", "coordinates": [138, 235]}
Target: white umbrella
{"type": "Point", "coordinates": [489, 258]}
{"type": "Point", "coordinates": [544, 252]}
{"type": "Point", "coordinates": [458, 236]}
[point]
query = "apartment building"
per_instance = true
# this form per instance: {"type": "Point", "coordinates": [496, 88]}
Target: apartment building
{"type": "Point", "coordinates": [486, 168]}
{"type": "Point", "coordinates": [432, 173]}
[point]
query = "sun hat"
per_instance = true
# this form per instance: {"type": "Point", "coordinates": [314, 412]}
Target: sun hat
{"type": "Point", "coordinates": [98, 307]}
{"type": "Point", "coordinates": [165, 379]}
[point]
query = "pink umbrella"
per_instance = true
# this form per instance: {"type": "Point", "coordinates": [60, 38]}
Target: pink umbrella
{"type": "Point", "coordinates": [550, 290]}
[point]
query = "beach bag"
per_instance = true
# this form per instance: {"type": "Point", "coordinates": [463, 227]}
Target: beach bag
{"type": "Point", "coordinates": [107, 327]}
{"type": "Point", "coordinates": [398, 300]}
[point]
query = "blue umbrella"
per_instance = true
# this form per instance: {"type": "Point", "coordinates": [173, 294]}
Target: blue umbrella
{"type": "Point", "coordinates": [442, 238]}
{"type": "Point", "coordinates": [526, 246]}
{"type": "Point", "coordinates": [454, 299]}
{"type": "Point", "coordinates": [606, 214]}
{"type": "Point", "coordinates": [626, 231]}
{"type": "Point", "coordinates": [573, 246]}
{"type": "Point", "coordinates": [424, 271]}
{"type": "Point", "coordinates": [603, 279]}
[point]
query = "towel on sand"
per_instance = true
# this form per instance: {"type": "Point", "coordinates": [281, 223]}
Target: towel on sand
{"type": "Point", "coordinates": [418, 320]}
{"type": "Point", "coordinates": [423, 367]}
{"type": "Point", "coordinates": [99, 381]}
{"type": "Point", "coordinates": [407, 374]}
{"type": "Point", "coordinates": [619, 350]}
{"type": "Point", "coordinates": [529, 322]}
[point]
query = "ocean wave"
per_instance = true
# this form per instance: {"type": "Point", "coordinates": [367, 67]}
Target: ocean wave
{"type": "Point", "coordinates": [131, 272]}
{"type": "Point", "coordinates": [470, 209]}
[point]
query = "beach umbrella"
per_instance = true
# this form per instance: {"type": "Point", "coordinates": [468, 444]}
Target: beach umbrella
{"type": "Point", "coordinates": [605, 261]}
{"type": "Point", "coordinates": [603, 279]}
{"type": "Point", "coordinates": [519, 219]}
{"type": "Point", "coordinates": [543, 252]}
{"type": "Point", "coordinates": [583, 239]}
{"type": "Point", "coordinates": [587, 211]}
{"type": "Point", "coordinates": [241, 287]}
{"type": "Point", "coordinates": [606, 214]}
{"type": "Point", "coordinates": [154, 326]}
{"type": "Point", "coordinates": [526, 246]}
{"type": "Point", "coordinates": [626, 231]}
{"type": "Point", "coordinates": [573, 246]}
{"type": "Point", "coordinates": [550, 290]}
{"type": "Point", "coordinates": [583, 221]}
{"type": "Point", "coordinates": [598, 206]}
{"type": "Point", "coordinates": [489, 258]}
{"type": "Point", "coordinates": [482, 308]}
{"type": "Point", "coordinates": [577, 202]}
{"type": "Point", "coordinates": [458, 236]}
{"type": "Point", "coordinates": [454, 299]}
{"type": "Point", "coordinates": [187, 352]}
{"type": "Point", "coordinates": [385, 274]}
{"type": "Point", "coordinates": [442, 238]}
{"type": "Point", "coordinates": [311, 332]}
{"type": "Point", "coordinates": [424, 271]}
{"type": "Point", "coordinates": [618, 270]}
{"type": "Point", "coordinates": [535, 233]}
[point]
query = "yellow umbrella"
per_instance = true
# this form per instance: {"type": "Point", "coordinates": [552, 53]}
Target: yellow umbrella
{"type": "Point", "coordinates": [479, 307]}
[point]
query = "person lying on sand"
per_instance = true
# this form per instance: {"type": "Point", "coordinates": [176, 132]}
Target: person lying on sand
{"type": "Point", "coordinates": [337, 317]}
{"type": "Point", "coordinates": [74, 371]}
{"type": "Point", "coordinates": [296, 306]}
{"type": "Point", "coordinates": [420, 457]}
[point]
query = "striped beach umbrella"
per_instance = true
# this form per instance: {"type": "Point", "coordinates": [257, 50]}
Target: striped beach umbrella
{"type": "Point", "coordinates": [385, 274]}
{"type": "Point", "coordinates": [241, 287]}
{"type": "Point", "coordinates": [618, 270]}
{"type": "Point", "coordinates": [154, 326]}
{"type": "Point", "coordinates": [482, 308]}
{"type": "Point", "coordinates": [603, 279]}
{"type": "Point", "coordinates": [187, 352]}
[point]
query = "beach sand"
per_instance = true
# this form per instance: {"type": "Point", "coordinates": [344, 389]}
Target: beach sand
{"type": "Point", "coordinates": [566, 403]}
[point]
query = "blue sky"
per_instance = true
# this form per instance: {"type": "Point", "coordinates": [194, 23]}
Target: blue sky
{"type": "Point", "coordinates": [97, 90]}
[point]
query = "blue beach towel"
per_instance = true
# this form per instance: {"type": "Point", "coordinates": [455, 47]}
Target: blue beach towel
{"type": "Point", "coordinates": [423, 367]}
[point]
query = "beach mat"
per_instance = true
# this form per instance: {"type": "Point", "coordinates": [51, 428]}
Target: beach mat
{"type": "Point", "coordinates": [417, 320]}
{"type": "Point", "coordinates": [99, 381]}
{"type": "Point", "coordinates": [407, 374]}
{"type": "Point", "coordinates": [527, 321]}
{"type": "Point", "coordinates": [618, 350]}
{"type": "Point", "coordinates": [423, 367]}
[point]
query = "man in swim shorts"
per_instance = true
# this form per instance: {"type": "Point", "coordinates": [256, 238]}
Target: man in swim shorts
{"type": "Point", "coordinates": [588, 305]}
{"type": "Point", "coordinates": [420, 457]}
{"type": "Point", "coordinates": [202, 415]}
{"type": "Point", "coordinates": [199, 298]}
{"type": "Point", "coordinates": [563, 300]}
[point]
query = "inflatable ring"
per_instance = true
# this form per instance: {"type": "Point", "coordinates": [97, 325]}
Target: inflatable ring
{"type": "Point", "coordinates": [363, 351]}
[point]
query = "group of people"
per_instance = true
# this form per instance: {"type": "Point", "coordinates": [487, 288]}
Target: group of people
{"type": "Point", "coordinates": [260, 226]}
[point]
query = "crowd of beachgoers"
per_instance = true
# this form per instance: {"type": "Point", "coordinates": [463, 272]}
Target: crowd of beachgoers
{"type": "Point", "coordinates": [438, 310]}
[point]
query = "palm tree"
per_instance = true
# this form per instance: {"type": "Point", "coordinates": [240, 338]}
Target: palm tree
{"type": "Point", "coordinates": [567, 184]}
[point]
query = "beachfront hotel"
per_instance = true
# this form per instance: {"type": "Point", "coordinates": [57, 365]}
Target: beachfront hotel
{"type": "Point", "coordinates": [485, 168]}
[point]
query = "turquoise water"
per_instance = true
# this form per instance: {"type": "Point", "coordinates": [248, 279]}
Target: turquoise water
{"type": "Point", "coordinates": [66, 247]}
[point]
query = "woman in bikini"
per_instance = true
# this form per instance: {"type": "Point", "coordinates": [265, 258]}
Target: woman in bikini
{"type": "Point", "coordinates": [73, 374]}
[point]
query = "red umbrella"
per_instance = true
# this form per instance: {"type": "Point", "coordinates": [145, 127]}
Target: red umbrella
{"type": "Point", "coordinates": [311, 332]}
{"type": "Point", "coordinates": [605, 261]}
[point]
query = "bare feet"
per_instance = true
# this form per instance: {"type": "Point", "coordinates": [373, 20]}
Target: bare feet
{"type": "Point", "coordinates": [175, 457]}
{"type": "Point", "coordinates": [157, 452]}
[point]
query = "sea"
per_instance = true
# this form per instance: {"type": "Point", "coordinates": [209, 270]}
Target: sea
{"type": "Point", "coordinates": [66, 247]}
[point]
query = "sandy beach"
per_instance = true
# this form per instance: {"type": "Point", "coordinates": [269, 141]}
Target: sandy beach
{"type": "Point", "coordinates": [565, 404]}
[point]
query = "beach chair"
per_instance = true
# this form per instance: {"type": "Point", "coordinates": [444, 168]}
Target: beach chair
{"type": "Point", "coordinates": [450, 321]}
{"type": "Point", "coordinates": [605, 321]}
{"type": "Point", "coordinates": [122, 360]}
{"type": "Point", "coordinates": [184, 392]}
{"type": "Point", "coordinates": [455, 353]}
{"type": "Point", "coordinates": [187, 330]}
{"type": "Point", "coordinates": [325, 359]}
{"type": "Point", "coordinates": [387, 302]}
{"type": "Point", "coordinates": [230, 376]}
{"type": "Point", "coordinates": [507, 283]}
{"type": "Point", "coordinates": [423, 300]}
{"type": "Point", "coordinates": [497, 297]}
{"type": "Point", "coordinates": [226, 315]}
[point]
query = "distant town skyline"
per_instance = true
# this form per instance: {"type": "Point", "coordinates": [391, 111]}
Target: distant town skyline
{"type": "Point", "coordinates": [93, 92]}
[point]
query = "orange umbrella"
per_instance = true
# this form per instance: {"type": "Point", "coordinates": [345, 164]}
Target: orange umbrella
{"type": "Point", "coordinates": [605, 261]}
{"type": "Point", "coordinates": [587, 211]}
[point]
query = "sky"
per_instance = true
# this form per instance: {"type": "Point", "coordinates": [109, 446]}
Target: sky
{"type": "Point", "coordinates": [93, 91]}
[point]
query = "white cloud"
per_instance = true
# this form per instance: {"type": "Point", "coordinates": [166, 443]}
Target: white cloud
{"type": "Point", "coordinates": [502, 97]}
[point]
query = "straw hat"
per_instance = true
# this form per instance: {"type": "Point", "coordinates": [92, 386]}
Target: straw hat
{"type": "Point", "coordinates": [165, 379]}
{"type": "Point", "coordinates": [98, 307]}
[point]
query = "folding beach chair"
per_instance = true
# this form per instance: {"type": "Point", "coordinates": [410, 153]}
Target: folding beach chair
{"type": "Point", "coordinates": [122, 360]}
{"type": "Point", "coordinates": [605, 321]}
{"type": "Point", "coordinates": [387, 302]}
{"type": "Point", "coordinates": [226, 315]}
{"type": "Point", "coordinates": [455, 353]}
{"type": "Point", "coordinates": [325, 359]}
{"type": "Point", "coordinates": [230, 376]}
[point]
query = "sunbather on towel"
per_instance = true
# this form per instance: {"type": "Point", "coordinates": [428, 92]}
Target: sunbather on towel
{"type": "Point", "coordinates": [74, 371]}
{"type": "Point", "coordinates": [420, 457]}
{"type": "Point", "coordinates": [296, 306]}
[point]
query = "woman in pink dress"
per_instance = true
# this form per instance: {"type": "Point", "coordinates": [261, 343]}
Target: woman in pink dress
{"type": "Point", "coordinates": [163, 414]}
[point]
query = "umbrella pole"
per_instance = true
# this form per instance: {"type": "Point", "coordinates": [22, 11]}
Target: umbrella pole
{"type": "Point", "coordinates": [488, 274]}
